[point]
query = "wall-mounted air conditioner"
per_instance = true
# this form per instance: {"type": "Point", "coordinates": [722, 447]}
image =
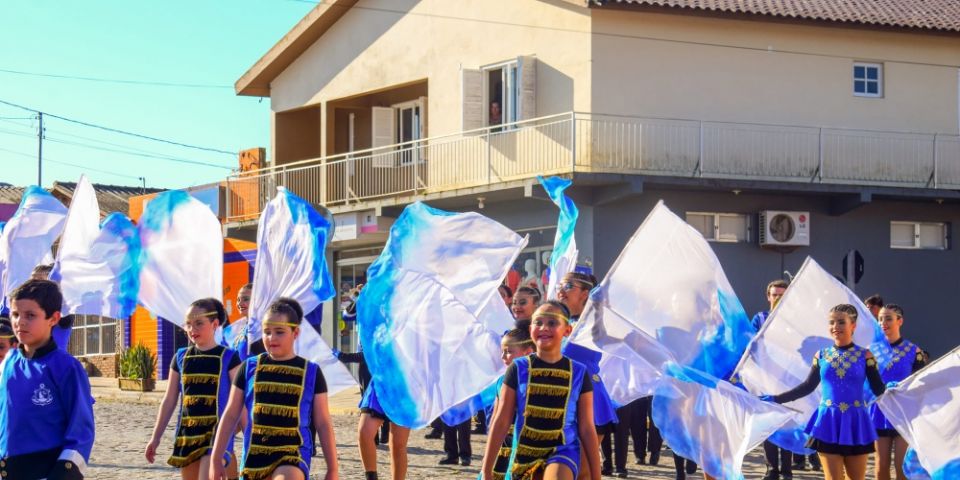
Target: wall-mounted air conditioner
{"type": "Point", "coordinates": [784, 229]}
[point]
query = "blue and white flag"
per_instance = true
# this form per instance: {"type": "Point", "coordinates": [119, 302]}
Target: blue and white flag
{"type": "Point", "coordinates": [563, 259]}
{"type": "Point", "coordinates": [711, 421]}
{"type": "Point", "coordinates": [430, 317]}
{"type": "Point", "coordinates": [779, 357]}
{"type": "Point", "coordinates": [181, 257]}
{"type": "Point", "coordinates": [97, 267]}
{"type": "Point", "coordinates": [665, 298]}
{"type": "Point", "coordinates": [925, 410]}
{"type": "Point", "coordinates": [291, 262]}
{"type": "Point", "coordinates": [28, 237]}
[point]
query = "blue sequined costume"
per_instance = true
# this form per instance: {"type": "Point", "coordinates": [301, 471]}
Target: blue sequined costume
{"type": "Point", "coordinates": [906, 358]}
{"type": "Point", "coordinates": [604, 410]}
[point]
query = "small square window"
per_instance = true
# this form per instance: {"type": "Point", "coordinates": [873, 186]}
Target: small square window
{"type": "Point", "coordinates": [868, 79]}
{"type": "Point", "coordinates": [721, 227]}
{"type": "Point", "coordinates": [919, 235]}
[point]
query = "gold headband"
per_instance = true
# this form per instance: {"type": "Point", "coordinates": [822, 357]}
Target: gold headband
{"type": "Point", "coordinates": [558, 316]}
{"type": "Point", "coordinates": [7, 337]}
{"type": "Point", "coordinates": [202, 315]}
{"type": "Point", "coordinates": [281, 324]}
{"type": "Point", "coordinates": [521, 343]}
{"type": "Point", "coordinates": [581, 281]}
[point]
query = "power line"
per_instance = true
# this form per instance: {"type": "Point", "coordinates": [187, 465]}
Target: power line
{"type": "Point", "coordinates": [113, 80]}
{"type": "Point", "coordinates": [122, 132]}
{"type": "Point", "coordinates": [126, 152]}
{"type": "Point", "coordinates": [84, 167]}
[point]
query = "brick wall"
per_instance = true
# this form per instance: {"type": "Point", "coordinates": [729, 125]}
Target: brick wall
{"type": "Point", "coordinates": [101, 365]}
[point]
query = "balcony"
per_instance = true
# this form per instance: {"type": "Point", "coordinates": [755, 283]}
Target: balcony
{"type": "Point", "coordinates": [596, 143]}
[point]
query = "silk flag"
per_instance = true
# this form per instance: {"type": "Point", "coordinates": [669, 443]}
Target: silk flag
{"type": "Point", "coordinates": [181, 257]}
{"type": "Point", "coordinates": [430, 317]}
{"type": "Point", "coordinates": [291, 262]}
{"type": "Point", "coordinates": [665, 298]}
{"type": "Point", "coordinates": [29, 235]}
{"type": "Point", "coordinates": [711, 421]}
{"type": "Point", "coordinates": [563, 259]}
{"type": "Point", "coordinates": [97, 265]}
{"type": "Point", "coordinates": [780, 355]}
{"type": "Point", "coordinates": [925, 409]}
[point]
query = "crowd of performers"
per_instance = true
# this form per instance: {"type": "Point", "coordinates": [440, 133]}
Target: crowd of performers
{"type": "Point", "coordinates": [552, 416]}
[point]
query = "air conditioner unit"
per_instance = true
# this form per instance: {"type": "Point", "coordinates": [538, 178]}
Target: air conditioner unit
{"type": "Point", "coordinates": [784, 229]}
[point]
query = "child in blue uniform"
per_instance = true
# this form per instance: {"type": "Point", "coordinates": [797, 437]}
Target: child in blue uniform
{"type": "Point", "coordinates": [235, 334]}
{"type": "Point", "coordinates": [7, 340]}
{"type": "Point", "coordinates": [46, 410]}
{"type": "Point", "coordinates": [284, 396]}
{"type": "Point", "coordinates": [549, 399]}
{"type": "Point", "coordinates": [907, 358]}
{"type": "Point", "coordinates": [841, 430]}
{"type": "Point", "coordinates": [515, 344]}
{"type": "Point", "coordinates": [202, 373]}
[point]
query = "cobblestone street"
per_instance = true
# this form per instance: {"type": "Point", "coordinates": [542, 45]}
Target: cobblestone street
{"type": "Point", "coordinates": [123, 429]}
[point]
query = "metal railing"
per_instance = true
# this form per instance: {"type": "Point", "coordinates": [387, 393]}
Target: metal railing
{"type": "Point", "coordinates": [585, 142]}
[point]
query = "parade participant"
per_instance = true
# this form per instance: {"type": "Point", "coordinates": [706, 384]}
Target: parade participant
{"type": "Point", "coordinates": [515, 344]}
{"type": "Point", "coordinates": [907, 358]}
{"type": "Point", "coordinates": [549, 399]}
{"type": "Point", "coordinates": [684, 467]}
{"type": "Point", "coordinates": [779, 460]}
{"type": "Point", "coordinates": [46, 410]}
{"type": "Point", "coordinates": [201, 375]}
{"type": "Point", "coordinates": [841, 430]}
{"type": "Point", "coordinates": [372, 418]}
{"type": "Point", "coordinates": [235, 333]}
{"type": "Point", "coordinates": [524, 302]}
{"type": "Point", "coordinates": [7, 340]}
{"type": "Point", "coordinates": [284, 396]}
{"type": "Point", "coordinates": [573, 292]}
{"type": "Point", "coordinates": [874, 303]}
{"type": "Point", "coordinates": [506, 294]}
{"type": "Point", "coordinates": [41, 272]}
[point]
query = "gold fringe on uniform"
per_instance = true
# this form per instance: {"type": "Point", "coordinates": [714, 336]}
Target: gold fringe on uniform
{"type": "Point", "coordinates": [544, 412]}
{"type": "Point", "coordinates": [550, 372]}
{"type": "Point", "coordinates": [267, 432]}
{"type": "Point", "coordinates": [499, 476]}
{"type": "Point", "coordinates": [523, 450]}
{"type": "Point", "coordinates": [536, 434]}
{"type": "Point", "coordinates": [198, 399]}
{"type": "Point", "coordinates": [181, 462]}
{"type": "Point", "coordinates": [200, 378]}
{"type": "Point", "coordinates": [267, 450]}
{"type": "Point", "coordinates": [527, 471]}
{"type": "Point", "coordinates": [552, 390]}
{"type": "Point", "coordinates": [279, 410]}
{"type": "Point", "coordinates": [504, 452]}
{"type": "Point", "coordinates": [275, 387]}
{"type": "Point", "coordinates": [199, 421]}
{"type": "Point", "coordinates": [264, 472]}
{"type": "Point", "coordinates": [284, 369]}
{"type": "Point", "coordinates": [193, 440]}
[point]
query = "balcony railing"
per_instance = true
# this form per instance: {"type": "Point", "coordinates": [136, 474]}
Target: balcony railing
{"type": "Point", "coordinates": [583, 142]}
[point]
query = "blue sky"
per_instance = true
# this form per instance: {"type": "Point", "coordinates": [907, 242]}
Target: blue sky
{"type": "Point", "coordinates": [203, 42]}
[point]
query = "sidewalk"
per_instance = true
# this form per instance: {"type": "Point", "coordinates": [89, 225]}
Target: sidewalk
{"type": "Point", "coordinates": [106, 389]}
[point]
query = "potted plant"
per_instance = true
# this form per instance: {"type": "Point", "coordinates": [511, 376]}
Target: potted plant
{"type": "Point", "coordinates": [137, 366]}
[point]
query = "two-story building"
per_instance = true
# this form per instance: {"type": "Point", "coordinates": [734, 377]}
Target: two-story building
{"type": "Point", "coordinates": [778, 129]}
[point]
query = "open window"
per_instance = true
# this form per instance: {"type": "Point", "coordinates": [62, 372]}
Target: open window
{"type": "Point", "coordinates": [500, 93]}
{"type": "Point", "coordinates": [399, 124]}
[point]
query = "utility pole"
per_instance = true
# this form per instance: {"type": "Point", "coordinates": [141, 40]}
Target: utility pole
{"type": "Point", "coordinates": [40, 151]}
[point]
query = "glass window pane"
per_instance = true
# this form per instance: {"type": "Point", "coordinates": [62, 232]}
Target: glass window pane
{"type": "Point", "coordinates": [703, 223]}
{"type": "Point", "coordinates": [93, 340]}
{"type": "Point", "coordinates": [872, 73]}
{"type": "Point", "coordinates": [933, 235]}
{"type": "Point", "coordinates": [858, 71]}
{"type": "Point", "coordinates": [733, 228]}
{"type": "Point", "coordinates": [901, 235]}
{"type": "Point", "coordinates": [76, 342]}
{"type": "Point", "coordinates": [859, 86]}
{"type": "Point", "coordinates": [872, 88]}
{"type": "Point", "coordinates": [109, 334]}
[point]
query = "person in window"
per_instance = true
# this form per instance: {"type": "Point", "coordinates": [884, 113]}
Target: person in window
{"type": "Point", "coordinates": [496, 115]}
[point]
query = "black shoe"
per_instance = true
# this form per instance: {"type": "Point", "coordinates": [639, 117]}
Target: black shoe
{"type": "Point", "coordinates": [654, 458]}
{"type": "Point", "coordinates": [606, 471]}
{"type": "Point", "coordinates": [434, 434]}
{"type": "Point", "coordinates": [621, 473]}
{"type": "Point", "coordinates": [681, 476]}
{"type": "Point", "coordinates": [641, 461]}
{"type": "Point", "coordinates": [465, 462]}
{"type": "Point", "coordinates": [691, 467]}
{"type": "Point", "coordinates": [815, 464]}
{"type": "Point", "coordinates": [799, 465]}
{"type": "Point", "coordinates": [449, 461]}
{"type": "Point", "coordinates": [772, 475]}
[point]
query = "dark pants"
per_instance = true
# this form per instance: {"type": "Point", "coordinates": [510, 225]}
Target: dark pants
{"type": "Point", "coordinates": [778, 459]}
{"type": "Point", "coordinates": [644, 436]}
{"type": "Point", "coordinates": [480, 420]}
{"type": "Point", "coordinates": [682, 465]}
{"type": "Point", "coordinates": [629, 421]}
{"type": "Point", "coordinates": [456, 440]}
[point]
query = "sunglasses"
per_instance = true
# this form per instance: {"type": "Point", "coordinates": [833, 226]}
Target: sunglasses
{"type": "Point", "coordinates": [568, 286]}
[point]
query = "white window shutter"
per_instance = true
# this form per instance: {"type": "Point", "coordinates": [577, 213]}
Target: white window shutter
{"type": "Point", "coordinates": [472, 95]}
{"type": "Point", "coordinates": [527, 71]}
{"type": "Point", "coordinates": [384, 134]}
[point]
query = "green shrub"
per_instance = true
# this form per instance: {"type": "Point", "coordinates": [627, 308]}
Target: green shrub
{"type": "Point", "coordinates": [137, 362]}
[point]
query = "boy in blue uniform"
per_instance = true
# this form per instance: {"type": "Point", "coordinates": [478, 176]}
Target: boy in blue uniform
{"type": "Point", "coordinates": [46, 410]}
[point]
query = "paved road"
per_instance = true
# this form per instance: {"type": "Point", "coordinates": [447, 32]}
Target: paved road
{"type": "Point", "coordinates": [123, 429]}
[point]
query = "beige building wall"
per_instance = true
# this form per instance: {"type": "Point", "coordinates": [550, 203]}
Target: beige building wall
{"type": "Point", "coordinates": [382, 43]}
{"type": "Point", "coordinates": [708, 68]}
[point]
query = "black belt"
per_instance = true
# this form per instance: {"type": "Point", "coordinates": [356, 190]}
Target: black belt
{"type": "Point", "coordinates": [39, 465]}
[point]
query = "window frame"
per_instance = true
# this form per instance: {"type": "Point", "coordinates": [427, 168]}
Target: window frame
{"type": "Point", "coordinates": [509, 101]}
{"type": "Point", "coordinates": [916, 235]}
{"type": "Point", "coordinates": [748, 238]}
{"type": "Point", "coordinates": [879, 80]}
{"type": "Point", "coordinates": [103, 323]}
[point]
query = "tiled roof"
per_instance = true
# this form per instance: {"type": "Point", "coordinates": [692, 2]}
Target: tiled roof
{"type": "Point", "coordinates": [934, 15]}
{"type": "Point", "coordinates": [112, 198]}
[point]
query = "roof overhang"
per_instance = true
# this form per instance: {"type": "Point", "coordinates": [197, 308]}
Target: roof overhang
{"type": "Point", "coordinates": [256, 81]}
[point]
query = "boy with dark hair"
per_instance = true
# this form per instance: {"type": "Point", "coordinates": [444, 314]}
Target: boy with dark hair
{"type": "Point", "coordinates": [46, 410]}
{"type": "Point", "coordinates": [874, 303]}
{"type": "Point", "coordinates": [7, 340]}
